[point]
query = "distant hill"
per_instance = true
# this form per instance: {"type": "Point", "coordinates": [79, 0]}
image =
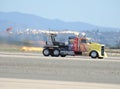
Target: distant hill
{"type": "Point", "coordinates": [22, 21]}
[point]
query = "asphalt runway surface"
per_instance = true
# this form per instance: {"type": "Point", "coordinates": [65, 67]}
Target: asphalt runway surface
{"type": "Point", "coordinates": [34, 66]}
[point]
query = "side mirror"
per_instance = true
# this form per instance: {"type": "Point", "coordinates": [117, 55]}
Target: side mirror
{"type": "Point", "coordinates": [46, 42]}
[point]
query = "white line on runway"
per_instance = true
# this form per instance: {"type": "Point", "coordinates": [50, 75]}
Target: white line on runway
{"type": "Point", "coordinates": [9, 83]}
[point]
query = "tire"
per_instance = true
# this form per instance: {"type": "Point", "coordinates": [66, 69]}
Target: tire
{"type": "Point", "coordinates": [46, 52]}
{"type": "Point", "coordinates": [55, 52]}
{"type": "Point", "coordinates": [93, 54]}
{"type": "Point", "coordinates": [62, 55]}
{"type": "Point", "coordinates": [100, 57]}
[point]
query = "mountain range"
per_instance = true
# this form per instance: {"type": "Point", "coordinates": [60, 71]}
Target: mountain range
{"type": "Point", "coordinates": [22, 21]}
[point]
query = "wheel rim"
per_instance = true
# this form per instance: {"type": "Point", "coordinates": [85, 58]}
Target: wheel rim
{"type": "Point", "coordinates": [56, 52]}
{"type": "Point", "coordinates": [46, 52]}
{"type": "Point", "coordinates": [94, 54]}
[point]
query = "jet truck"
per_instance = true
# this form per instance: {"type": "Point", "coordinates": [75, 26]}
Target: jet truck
{"type": "Point", "coordinates": [76, 45]}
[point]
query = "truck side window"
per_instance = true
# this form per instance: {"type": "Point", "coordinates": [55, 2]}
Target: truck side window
{"type": "Point", "coordinates": [83, 41]}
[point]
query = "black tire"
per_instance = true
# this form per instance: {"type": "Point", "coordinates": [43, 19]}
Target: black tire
{"type": "Point", "coordinates": [46, 52]}
{"type": "Point", "coordinates": [93, 54]}
{"type": "Point", "coordinates": [100, 57]}
{"type": "Point", "coordinates": [56, 52]}
{"type": "Point", "coordinates": [62, 55]}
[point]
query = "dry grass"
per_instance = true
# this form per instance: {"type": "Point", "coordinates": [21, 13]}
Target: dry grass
{"type": "Point", "coordinates": [10, 48]}
{"type": "Point", "coordinates": [16, 48]}
{"type": "Point", "coordinates": [113, 52]}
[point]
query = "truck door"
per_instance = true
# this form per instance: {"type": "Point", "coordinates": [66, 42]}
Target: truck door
{"type": "Point", "coordinates": [83, 45]}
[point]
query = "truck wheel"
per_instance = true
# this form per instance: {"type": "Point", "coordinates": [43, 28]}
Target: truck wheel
{"type": "Point", "coordinates": [56, 52]}
{"type": "Point", "coordinates": [62, 55]}
{"type": "Point", "coordinates": [93, 54]}
{"type": "Point", "coordinates": [46, 52]}
{"type": "Point", "coordinates": [100, 57]}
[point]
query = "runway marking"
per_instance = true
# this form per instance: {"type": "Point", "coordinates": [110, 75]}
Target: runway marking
{"type": "Point", "coordinates": [10, 83]}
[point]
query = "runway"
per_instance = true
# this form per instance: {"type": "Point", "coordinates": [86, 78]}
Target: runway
{"type": "Point", "coordinates": [11, 83]}
{"type": "Point", "coordinates": [77, 69]}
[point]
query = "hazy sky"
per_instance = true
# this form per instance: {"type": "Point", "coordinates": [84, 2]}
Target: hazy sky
{"type": "Point", "coordinates": [99, 12]}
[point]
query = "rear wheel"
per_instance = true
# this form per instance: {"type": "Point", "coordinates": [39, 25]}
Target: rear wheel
{"type": "Point", "coordinates": [46, 52]}
{"type": "Point", "coordinates": [62, 52]}
{"type": "Point", "coordinates": [56, 52]}
{"type": "Point", "coordinates": [94, 54]}
{"type": "Point", "coordinates": [62, 55]}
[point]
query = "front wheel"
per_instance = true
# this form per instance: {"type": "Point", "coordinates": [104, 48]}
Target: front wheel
{"type": "Point", "coordinates": [100, 57]}
{"type": "Point", "coordinates": [46, 52]}
{"type": "Point", "coordinates": [93, 54]}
